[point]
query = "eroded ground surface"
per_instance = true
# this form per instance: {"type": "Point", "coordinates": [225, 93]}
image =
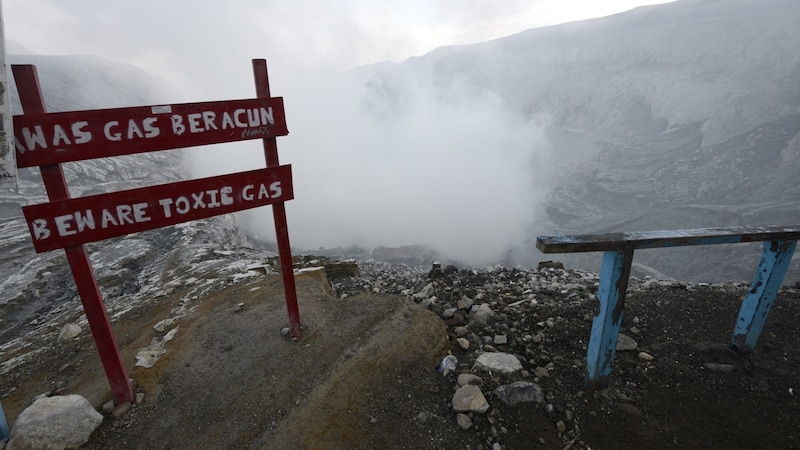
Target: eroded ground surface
{"type": "Point", "coordinates": [364, 373]}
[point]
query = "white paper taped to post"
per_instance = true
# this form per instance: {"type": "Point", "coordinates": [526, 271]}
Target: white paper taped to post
{"type": "Point", "coordinates": [8, 165]}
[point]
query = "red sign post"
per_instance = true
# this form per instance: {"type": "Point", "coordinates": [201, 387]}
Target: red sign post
{"type": "Point", "coordinates": [48, 139]}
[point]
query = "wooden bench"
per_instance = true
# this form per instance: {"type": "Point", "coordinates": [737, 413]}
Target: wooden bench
{"type": "Point", "coordinates": [618, 248]}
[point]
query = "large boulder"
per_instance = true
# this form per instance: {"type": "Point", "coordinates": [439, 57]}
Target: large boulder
{"type": "Point", "coordinates": [54, 423]}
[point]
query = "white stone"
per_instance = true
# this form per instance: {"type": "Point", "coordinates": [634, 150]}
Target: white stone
{"type": "Point", "coordinates": [148, 356]}
{"type": "Point", "coordinates": [469, 378]}
{"type": "Point", "coordinates": [164, 325]}
{"type": "Point", "coordinates": [465, 303]}
{"type": "Point", "coordinates": [55, 423]}
{"type": "Point", "coordinates": [481, 314]}
{"type": "Point", "coordinates": [69, 332]}
{"type": "Point", "coordinates": [463, 421]}
{"type": "Point", "coordinates": [426, 292]}
{"type": "Point", "coordinates": [626, 343]}
{"type": "Point", "coordinates": [498, 362]}
{"type": "Point", "coordinates": [469, 398]}
{"type": "Point", "coordinates": [644, 356]}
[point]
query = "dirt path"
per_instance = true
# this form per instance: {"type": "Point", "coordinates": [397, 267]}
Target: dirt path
{"type": "Point", "coordinates": [230, 380]}
{"type": "Point", "coordinates": [237, 383]}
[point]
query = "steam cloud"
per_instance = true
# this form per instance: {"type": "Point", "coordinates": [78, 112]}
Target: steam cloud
{"type": "Point", "coordinates": [453, 170]}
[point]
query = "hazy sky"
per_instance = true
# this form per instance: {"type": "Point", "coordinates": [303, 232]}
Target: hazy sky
{"type": "Point", "coordinates": [452, 174]}
{"type": "Point", "coordinates": [192, 42]}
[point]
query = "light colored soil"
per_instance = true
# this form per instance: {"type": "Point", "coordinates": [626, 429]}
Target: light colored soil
{"type": "Point", "coordinates": [231, 380]}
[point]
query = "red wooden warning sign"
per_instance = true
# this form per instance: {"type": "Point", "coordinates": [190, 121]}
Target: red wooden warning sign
{"type": "Point", "coordinates": [52, 138]}
{"type": "Point", "coordinates": [93, 218]}
{"type": "Point", "coordinates": [48, 139]}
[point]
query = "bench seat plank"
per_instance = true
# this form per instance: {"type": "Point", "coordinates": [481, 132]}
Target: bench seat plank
{"type": "Point", "coordinates": [669, 238]}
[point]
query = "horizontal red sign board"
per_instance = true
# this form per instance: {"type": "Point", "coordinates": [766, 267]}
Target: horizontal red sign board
{"type": "Point", "coordinates": [92, 218]}
{"type": "Point", "coordinates": [52, 138]}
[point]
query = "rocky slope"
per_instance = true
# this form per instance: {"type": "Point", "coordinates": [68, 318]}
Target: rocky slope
{"type": "Point", "coordinates": [512, 377]}
{"type": "Point", "coordinates": [675, 381]}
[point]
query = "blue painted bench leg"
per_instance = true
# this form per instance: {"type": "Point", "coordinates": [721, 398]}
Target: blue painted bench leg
{"type": "Point", "coordinates": [614, 275]}
{"type": "Point", "coordinates": [4, 434]}
{"type": "Point", "coordinates": [756, 305]}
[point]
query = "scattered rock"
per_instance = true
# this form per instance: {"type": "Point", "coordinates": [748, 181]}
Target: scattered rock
{"type": "Point", "coordinates": [449, 313]}
{"type": "Point", "coordinates": [551, 265]}
{"type": "Point", "coordinates": [626, 343]}
{"type": "Point", "coordinates": [520, 392]}
{"type": "Point", "coordinates": [719, 368]}
{"type": "Point", "coordinates": [69, 332]}
{"type": "Point", "coordinates": [465, 303]}
{"type": "Point", "coordinates": [463, 421]}
{"type": "Point", "coordinates": [644, 356]}
{"type": "Point", "coordinates": [541, 372]}
{"type": "Point", "coordinates": [481, 314]}
{"type": "Point", "coordinates": [448, 364]}
{"type": "Point", "coordinates": [422, 418]}
{"type": "Point", "coordinates": [164, 325]}
{"type": "Point", "coordinates": [469, 378]}
{"type": "Point", "coordinates": [120, 410]}
{"type": "Point", "coordinates": [426, 292]}
{"type": "Point", "coordinates": [498, 362]}
{"type": "Point", "coordinates": [525, 313]}
{"type": "Point", "coordinates": [469, 398]}
{"type": "Point", "coordinates": [148, 356]}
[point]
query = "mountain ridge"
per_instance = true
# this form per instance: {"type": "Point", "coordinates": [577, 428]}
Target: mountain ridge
{"type": "Point", "coordinates": [694, 102]}
{"type": "Point", "coordinates": [535, 70]}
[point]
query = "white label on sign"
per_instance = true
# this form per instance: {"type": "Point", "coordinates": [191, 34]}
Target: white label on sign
{"type": "Point", "coordinates": [8, 163]}
{"type": "Point", "coordinates": [164, 109]}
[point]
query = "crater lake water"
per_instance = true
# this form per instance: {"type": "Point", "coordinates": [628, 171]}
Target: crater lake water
{"type": "Point", "coordinates": [562, 148]}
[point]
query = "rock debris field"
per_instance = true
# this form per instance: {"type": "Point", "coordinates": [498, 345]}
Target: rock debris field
{"type": "Point", "coordinates": [394, 356]}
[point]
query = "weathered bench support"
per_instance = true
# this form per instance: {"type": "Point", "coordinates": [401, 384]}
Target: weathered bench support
{"type": "Point", "coordinates": [756, 305]}
{"type": "Point", "coordinates": [618, 248]}
{"type": "Point", "coordinates": [4, 433]}
{"type": "Point", "coordinates": [614, 274]}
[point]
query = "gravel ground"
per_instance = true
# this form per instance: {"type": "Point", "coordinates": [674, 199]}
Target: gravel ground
{"type": "Point", "coordinates": [679, 386]}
